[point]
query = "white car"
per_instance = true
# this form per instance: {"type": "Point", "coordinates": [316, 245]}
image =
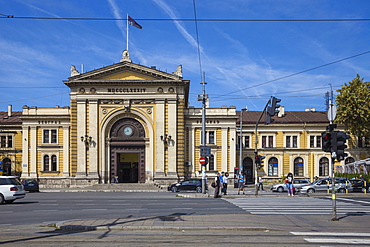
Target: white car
{"type": "Point", "coordinates": [11, 189]}
{"type": "Point", "coordinates": [298, 183]}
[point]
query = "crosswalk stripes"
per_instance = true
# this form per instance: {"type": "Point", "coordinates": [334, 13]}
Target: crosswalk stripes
{"type": "Point", "coordinates": [296, 206]}
{"type": "Point", "coordinates": [335, 237]}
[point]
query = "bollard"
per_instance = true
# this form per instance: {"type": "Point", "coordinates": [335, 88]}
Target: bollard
{"type": "Point", "coordinates": [346, 187]}
{"type": "Point", "coordinates": [365, 187]}
{"type": "Point", "coordinates": [328, 186]}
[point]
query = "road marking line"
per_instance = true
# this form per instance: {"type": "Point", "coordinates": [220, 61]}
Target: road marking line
{"type": "Point", "coordinates": [87, 209]}
{"type": "Point", "coordinates": [339, 241]}
{"type": "Point", "coordinates": [351, 200]}
{"type": "Point", "coordinates": [45, 210]}
{"type": "Point", "coordinates": [6, 212]}
{"type": "Point", "coordinates": [352, 234]}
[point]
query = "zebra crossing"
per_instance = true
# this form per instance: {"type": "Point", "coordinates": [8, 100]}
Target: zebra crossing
{"type": "Point", "coordinates": [297, 205]}
{"type": "Point", "coordinates": [357, 238]}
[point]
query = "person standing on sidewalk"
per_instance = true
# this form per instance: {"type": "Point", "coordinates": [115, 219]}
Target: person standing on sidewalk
{"type": "Point", "coordinates": [218, 186]}
{"type": "Point", "coordinates": [241, 181]}
{"type": "Point", "coordinates": [225, 182]}
{"type": "Point", "coordinates": [260, 183]}
{"type": "Point", "coordinates": [289, 181]}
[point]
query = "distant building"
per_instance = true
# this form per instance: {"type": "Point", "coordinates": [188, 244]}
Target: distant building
{"type": "Point", "coordinates": [133, 122]}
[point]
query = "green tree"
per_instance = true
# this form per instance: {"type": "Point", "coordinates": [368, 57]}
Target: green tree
{"type": "Point", "coordinates": [353, 107]}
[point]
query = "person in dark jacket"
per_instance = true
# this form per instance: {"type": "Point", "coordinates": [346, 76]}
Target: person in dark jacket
{"type": "Point", "coordinates": [218, 185]}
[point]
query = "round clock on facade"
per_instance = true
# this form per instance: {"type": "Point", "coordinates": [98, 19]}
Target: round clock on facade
{"type": "Point", "coordinates": [127, 131]}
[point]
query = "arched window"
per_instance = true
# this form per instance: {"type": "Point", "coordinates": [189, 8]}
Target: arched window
{"type": "Point", "coordinates": [46, 163]}
{"type": "Point", "coordinates": [273, 167]}
{"type": "Point", "coordinates": [324, 167]}
{"type": "Point", "coordinates": [53, 162]}
{"type": "Point", "coordinates": [298, 167]}
{"type": "Point", "coordinates": [349, 160]}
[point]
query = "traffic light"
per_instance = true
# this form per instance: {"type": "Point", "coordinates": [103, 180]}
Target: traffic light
{"type": "Point", "coordinates": [259, 160]}
{"type": "Point", "coordinates": [326, 141]}
{"type": "Point", "coordinates": [339, 140]}
{"type": "Point", "coordinates": [272, 109]}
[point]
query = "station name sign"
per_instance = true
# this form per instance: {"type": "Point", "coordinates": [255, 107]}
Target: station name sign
{"type": "Point", "coordinates": [126, 90]}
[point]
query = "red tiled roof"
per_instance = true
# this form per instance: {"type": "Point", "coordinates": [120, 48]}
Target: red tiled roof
{"type": "Point", "coordinates": [290, 117]}
{"type": "Point", "coordinates": [14, 119]}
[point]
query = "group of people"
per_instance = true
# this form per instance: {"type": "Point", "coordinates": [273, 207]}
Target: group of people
{"type": "Point", "coordinates": [221, 182]}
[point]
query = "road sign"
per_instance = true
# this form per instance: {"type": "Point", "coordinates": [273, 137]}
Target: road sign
{"type": "Point", "coordinates": [205, 151]}
{"type": "Point", "coordinates": [203, 160]}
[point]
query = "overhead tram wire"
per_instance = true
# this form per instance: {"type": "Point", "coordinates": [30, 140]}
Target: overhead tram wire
{"type": "Point", "coordinates": [2, 16]}
{"type": "Point", "coordinates": [294, 74]}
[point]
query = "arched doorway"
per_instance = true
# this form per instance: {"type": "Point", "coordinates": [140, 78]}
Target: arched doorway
{"type": "Point", "coordinates": [248, 170]}
{"type": "Point", "coordinates": [127, 155]}
{"type": "Point", "coordinates": [7, 167]}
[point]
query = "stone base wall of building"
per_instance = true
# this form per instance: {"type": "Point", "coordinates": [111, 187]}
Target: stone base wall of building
{"type": "Point", "coordinates": [67, 182]}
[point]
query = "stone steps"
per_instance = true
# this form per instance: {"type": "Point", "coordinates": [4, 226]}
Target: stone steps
{"type": "Point", "coordinates": [126, 186]}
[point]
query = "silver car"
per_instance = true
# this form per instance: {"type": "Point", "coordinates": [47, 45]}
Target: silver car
{"type": "Point", "coordinates": [298, 183]}
{"type": "Point", "coordinates": [322, 185]}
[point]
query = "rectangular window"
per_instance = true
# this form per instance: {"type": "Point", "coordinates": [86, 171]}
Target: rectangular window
{"type": "Point", "coordinates": [291, 141]}
{"type": "Point", "coordinates": [267, 141]}
{"type": "Point", "coordinates": [273, 169]}
{"type": "Point", "coordinates": [246, 142]}
{"type": "Point", "coordinates": [312, 141]}
{"type": "Point", "coordinates": [315, 141]}
{"type": "Point", "coordinates": [211, 137]}
{"type": "Point", "coordinates": [6, 141]}
{"type": "Point", "coordinates": [50, 136]}
{"type": "Point", "coordinates": [318, 141]}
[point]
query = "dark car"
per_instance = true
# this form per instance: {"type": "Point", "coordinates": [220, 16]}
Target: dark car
{"type": "Point", "coordinates": [187, 185]}
{"type": "Point", "coordinates": [30, 185]}
{"type": "Point", "coordinates": [358, 185]}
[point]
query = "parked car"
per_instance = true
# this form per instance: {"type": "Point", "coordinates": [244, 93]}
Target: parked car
{"type": "Point", "coordinates": [298, 183]}
{"type": "Point", "coordinates": [30, 185]}
{"type": "Point", "coordinates": [322, 185]}
{"type": "Point", "coordinates": [11, 189]}
{"type": "Point", "coordinates": [358, 185]}
{"type": "Point", "coordinates": [187, 185]}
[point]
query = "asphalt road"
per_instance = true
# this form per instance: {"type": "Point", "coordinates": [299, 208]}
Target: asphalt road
{"type": "Point", "coordinates": [25, 222]}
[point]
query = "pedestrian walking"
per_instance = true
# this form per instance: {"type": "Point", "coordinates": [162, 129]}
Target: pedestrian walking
{"type": "Point", "coordinates": [260, 183]}
{"type": "Point", "coordinates": [225, 183]}
{"type": "Point", "coordinates": [241, 181]}
{"type": "Point", "coordinates": [289, 181]}
{"type": "Point", "coordinates": [217, 185]}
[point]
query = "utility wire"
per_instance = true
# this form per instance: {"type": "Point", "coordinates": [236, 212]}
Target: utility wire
{"type": "Point", "coordinates": [182, 19]}
{"type": "Point", "coordinates": [301, 72]}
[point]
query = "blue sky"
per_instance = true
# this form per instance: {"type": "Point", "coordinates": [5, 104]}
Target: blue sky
{"type": "Point", "coordinates": [241, 60]}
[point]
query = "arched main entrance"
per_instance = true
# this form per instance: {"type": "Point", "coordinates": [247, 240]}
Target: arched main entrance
{"type": "Point", "coordinates": [7, 167]}
{"type": "Point", "coordinates": [248, 170]}
{"type": "Point", "coordinates": [127, 155]}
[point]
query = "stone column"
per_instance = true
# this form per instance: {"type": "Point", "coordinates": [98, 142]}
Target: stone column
{"type": "Point", "coordinates": [66, 151]}
{"type": "Point", "coordinates": [33, 153]}
{"type": "Point", "coordinates": [25, 161]}
{"type": "Point", "coordinates": [172, 131]}
{"type": "Point", "coordinates": [81, 132]}
{"type": "Point", "coordinates": [160, 131]}
{"type": "Point", "coordinates": [93, 129]}
{"type": "Point", "coordinates": [224, 150]}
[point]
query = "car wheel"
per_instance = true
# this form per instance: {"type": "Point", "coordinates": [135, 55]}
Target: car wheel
{"type": "Point", "coordinates": [9, 201]}
{"type": "Point", "coordinates": [280, 189]}
{"type": "Point", "coordinates": [1, 199]}
{"type": "Point", "coordinates": [198, 189]}
{"type": "Point", "coordinates": [310, 191]}
{"type": "Point", "coordinates": [174, 189]}
{"type": "Point", "coordinates": [341, 190]}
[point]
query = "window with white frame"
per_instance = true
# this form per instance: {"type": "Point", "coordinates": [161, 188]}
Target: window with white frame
{"type": "Point", "coordinates": [211, 163]}
{"type": "Point", "coordinates": [247, 143]}
{"type": "Point", "coordinates": [291, 141]}
{"type": "Point", "coordinates": [267, 142]}
{"type": "Point", "coordinates": [315, 141]}
{"type": "Point", "coordinates": [298, 167]}
{"type": "Point", "coordinates": [6, 141]}
{"type": "Point", "coordinates": [273, 167]}
{"type": "Point", "coordinates": [50, 136]}
{"type": "Point", "coordinates": [211, 137]}
{"type": "Point", "coordinates": [50, 163]}
{"type": "Point", "coordinates": [324, 167]}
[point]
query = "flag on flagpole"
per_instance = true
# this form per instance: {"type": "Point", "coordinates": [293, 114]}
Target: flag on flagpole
{"type": "Point", "coordinates": [132, 22]}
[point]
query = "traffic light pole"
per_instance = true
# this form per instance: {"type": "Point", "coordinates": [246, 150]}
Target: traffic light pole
{"type": "Point", "coordinates": [256, 149]}
{"type": "Point", "coordinates": [333, 192]}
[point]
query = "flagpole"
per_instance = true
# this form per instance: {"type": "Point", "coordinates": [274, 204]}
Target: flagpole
{"type": "Point", "coordinates": [127, 33]}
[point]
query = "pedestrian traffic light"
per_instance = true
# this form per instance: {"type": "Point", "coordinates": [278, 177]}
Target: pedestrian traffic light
{"type": "Point", "coordinates": [259, 160]}
{"type": "Point", "coordinates": [339, 140]}
{"type": "Point", "coordinates": [326, 141]}
{"type": "Point", "coordinates": [272, 109]}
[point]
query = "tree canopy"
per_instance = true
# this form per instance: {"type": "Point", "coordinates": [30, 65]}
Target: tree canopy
{"type": "Point", "coordinates": [353, 107]}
